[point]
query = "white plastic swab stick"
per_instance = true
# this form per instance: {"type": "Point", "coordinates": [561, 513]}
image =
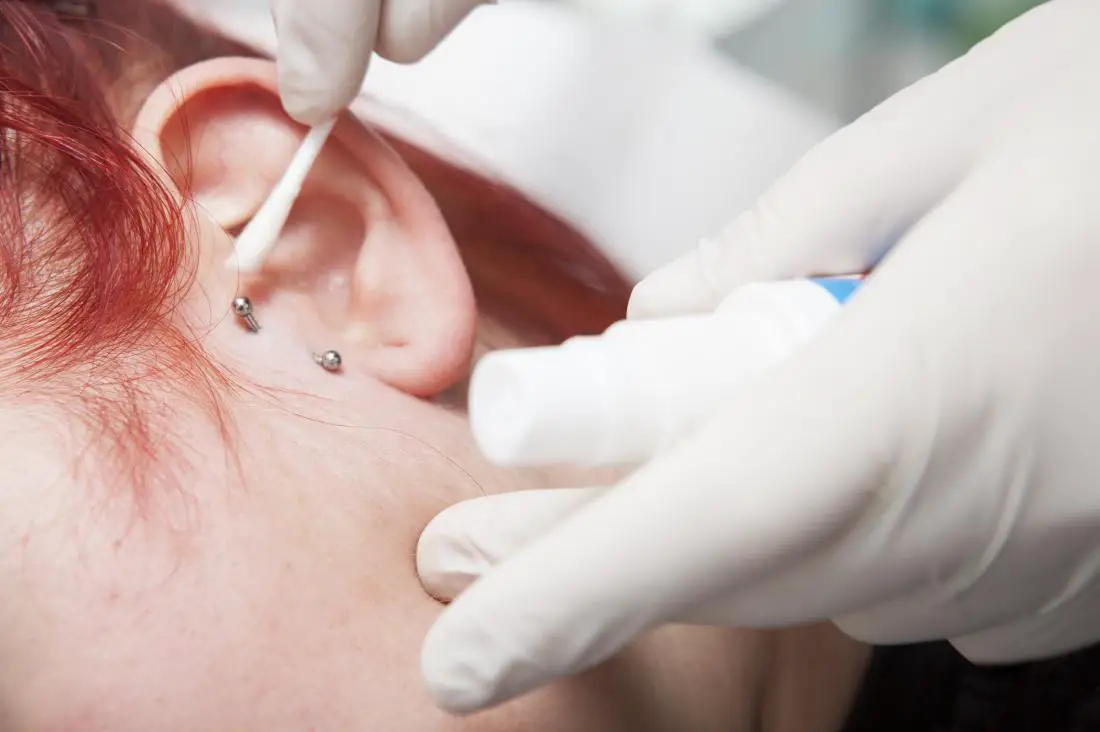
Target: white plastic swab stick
{"type": "Point", "coordinates": [259, 236]}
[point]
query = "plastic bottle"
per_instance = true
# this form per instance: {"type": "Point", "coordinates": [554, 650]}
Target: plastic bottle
{"type": "Point", "coordinates": [624, 396]}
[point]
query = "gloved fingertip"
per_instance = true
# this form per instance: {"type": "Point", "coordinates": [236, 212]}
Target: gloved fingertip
{"type": "Point", "coordinates": [302, 99]}
{"type": "Point", "coordinates": [313, 91]}
{"type": "Point", "coordinates": [465, 541]}
{"type": "Point", "coordinates": [453, 667]}
{"type": "Point", "coordinates": [454, 696]}
{"type": "Point", "coordinates": [680, 287]}
{"type": "Point", "coordinates": [448, 560]}
{"type": "Point", "coordinates": [305, 110]}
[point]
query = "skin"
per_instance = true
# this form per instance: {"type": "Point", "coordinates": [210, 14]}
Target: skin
{"type": "Point", "coordinates": [271, 585]}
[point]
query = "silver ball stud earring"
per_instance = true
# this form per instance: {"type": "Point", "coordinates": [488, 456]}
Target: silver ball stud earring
{"type": "Point", "coordinates": [242, 306]}
{"type": "Point", "coordinates": [329, 360]}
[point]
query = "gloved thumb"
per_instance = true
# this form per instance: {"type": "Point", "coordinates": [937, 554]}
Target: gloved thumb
{"type": "Point", "coordinates": [836, 212]}
{"type": "Point", "coordinates": [323, 52]}
{"type": "Point", "coordinates": [409, 30]}
{"type": "Point", "coordinates": [467, 539]}
{"type": "Point", "coordinates": [324, 48]}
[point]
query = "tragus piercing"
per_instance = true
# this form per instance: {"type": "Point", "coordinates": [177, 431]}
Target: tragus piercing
{"type": "Point", "coordinates": [329, 360]}
{"type": "Point", "coordinates": [242, 306]}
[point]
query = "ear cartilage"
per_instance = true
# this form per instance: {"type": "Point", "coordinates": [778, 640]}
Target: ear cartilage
{"type": "Point", "coordinates": [242, 306]}
{"type": "Point", "coordinates": [329, 360]}
{"type": "Point", "coordinates": [258, 238]}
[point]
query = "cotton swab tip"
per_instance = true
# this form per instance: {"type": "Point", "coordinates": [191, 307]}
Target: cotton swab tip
{"type": "Point", "coordinates": [261, 234]}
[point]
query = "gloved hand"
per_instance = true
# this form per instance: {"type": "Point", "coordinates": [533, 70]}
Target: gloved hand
{"type": "Point", "coordinates": [324, 47]}
{"type": "Point", "coordinates": [927, 468]}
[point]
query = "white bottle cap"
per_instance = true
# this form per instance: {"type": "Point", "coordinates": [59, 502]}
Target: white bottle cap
{"type": "Point", "coordinates": [524, 403]}
{"type": "Point", "coordinates": [622, 397]}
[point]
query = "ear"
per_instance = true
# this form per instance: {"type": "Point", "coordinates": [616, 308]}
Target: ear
{"type": "Point", "coordinates": [366, 262]}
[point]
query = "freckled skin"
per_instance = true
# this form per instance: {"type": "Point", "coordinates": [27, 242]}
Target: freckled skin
{"type": "Point", "coordinates": [292, 603]}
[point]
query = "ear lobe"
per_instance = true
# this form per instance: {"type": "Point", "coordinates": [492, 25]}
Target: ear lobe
{"type": "Point", "coordinates": [366, 262]}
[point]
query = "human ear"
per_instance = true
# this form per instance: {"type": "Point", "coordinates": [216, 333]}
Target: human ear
{"type": "Point", "coordinates": [365, 263]}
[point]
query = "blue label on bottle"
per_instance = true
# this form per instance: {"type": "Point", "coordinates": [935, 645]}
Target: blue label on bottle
{"type": "Point", "coordinates": [841, 288]}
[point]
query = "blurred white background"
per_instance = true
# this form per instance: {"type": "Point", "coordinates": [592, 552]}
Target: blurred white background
{"type": "Point", "coordinates": [847, 55]}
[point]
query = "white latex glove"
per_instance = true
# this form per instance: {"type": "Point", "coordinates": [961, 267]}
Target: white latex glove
{"type": "Point", "coordinates": [928, 468]}
{"type": "Point", "coordinates": [325, 46]}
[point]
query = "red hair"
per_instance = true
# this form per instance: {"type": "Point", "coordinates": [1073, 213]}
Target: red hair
{"type": "Point", "coordinates": [94, 257]}
{"type": "Point", "coordinates": [94, 252]}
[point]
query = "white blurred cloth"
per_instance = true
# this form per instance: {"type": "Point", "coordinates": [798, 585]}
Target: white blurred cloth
{"type": "Point", "coordinates": [644, 141]}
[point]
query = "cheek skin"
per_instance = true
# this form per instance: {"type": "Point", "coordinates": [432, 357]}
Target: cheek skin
{"type": "Point", "coordinates": [293, 603]}
{"type": "Point", "coordinates": [289, 604]}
